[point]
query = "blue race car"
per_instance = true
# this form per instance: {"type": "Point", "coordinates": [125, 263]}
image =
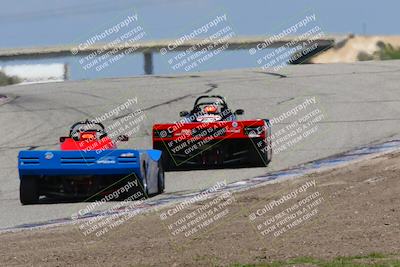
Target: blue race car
{"type": "Point", "coordinates": [89, 166]}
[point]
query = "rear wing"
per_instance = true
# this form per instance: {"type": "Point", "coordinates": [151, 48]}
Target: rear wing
{"type": "Point", "coordinates": [231, 129]}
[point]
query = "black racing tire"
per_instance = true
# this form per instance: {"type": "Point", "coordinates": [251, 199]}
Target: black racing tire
{"type": "Point", "coordinates": [266, 160]}
{"type": "Point", "coordinates": [269, 153]}
{"type": "Point", "coordinates": [29, 190]}
{"type": "Point", "coordinates": [166, 158]}
{"type": "Point", "coordinates": [166, 161]}
{"type": "Point", "coordinates": [143, 183]}
{"type": "Point", "coordinates": [260, 157]}
{"type": "Point", "coordinates": [160, 178]}
{"type": "Point", "coordinates": [269, 158]}
{"type": "Point", "coordinates": [260, 160]}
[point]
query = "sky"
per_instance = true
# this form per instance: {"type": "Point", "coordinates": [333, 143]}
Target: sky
{"type": "Point", "coordinates": [28, 23]}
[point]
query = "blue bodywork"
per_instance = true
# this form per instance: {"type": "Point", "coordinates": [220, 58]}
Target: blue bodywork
{"type": "Point", "coordinates": [56, 163]}
{"type": "Point", "coordinates": [55, 172]}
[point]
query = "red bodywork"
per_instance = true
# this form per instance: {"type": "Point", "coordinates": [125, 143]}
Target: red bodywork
{"type": "Point", "coordinates": [86, 142]}
{"type": "Point", "coordinates": [184, 131]}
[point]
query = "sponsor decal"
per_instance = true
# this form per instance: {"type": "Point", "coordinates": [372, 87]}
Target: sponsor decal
{"type": "Point", "coordinates": [106, 160]}
{"type": "Point", "coordinates": [48, 155]}
{"type": "Point", "coordinates": [209, 118]}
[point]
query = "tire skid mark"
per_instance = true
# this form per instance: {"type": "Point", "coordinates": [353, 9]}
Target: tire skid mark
{"type": "Point", "coordinates": [212, 86]}
{"type": "Point", "coordinates": [51, 109]}
{"type": "Point", "coordinates": [27, 147]}
{"type": "Point", "coordinates": [286, 100]}
{"type": "Point", "coordinates": [343, 74]}
{"type": "Point", "coordinates": [279, 75]}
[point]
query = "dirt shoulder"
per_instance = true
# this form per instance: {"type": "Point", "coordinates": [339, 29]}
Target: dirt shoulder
{"type": "Point", "coordinates": [349, 211]}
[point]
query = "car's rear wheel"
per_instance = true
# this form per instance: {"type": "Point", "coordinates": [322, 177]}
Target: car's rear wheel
{"type": "Point", "coordinates": [166, 161]}
{"type": "Point", "coordinates": [161, 178]}
{"type": "Point", "coordinates": [261, 155]}
{"type": "Point", "coordinates": [29, 191]}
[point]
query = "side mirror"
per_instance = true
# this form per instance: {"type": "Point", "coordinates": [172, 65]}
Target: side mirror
{"type": "Point", "coordinates": [239, 112]}
{"type": "Point", "coordinates": [123, 138]}
{"type": "Point", "coordinates": [62, 139]}
{"type": "Point", "coordinates": [183, 113]}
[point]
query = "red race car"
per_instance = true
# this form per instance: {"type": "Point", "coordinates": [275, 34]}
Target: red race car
{"type": "Point", "coordinates": [210, 136]}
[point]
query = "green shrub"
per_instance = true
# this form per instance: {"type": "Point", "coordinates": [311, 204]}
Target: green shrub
{"type": "Point", "coordinates": [7, 80]}
{"type": "Point", "coordinates": [387, 51]}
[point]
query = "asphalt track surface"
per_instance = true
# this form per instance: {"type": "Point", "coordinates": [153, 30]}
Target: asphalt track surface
{"type": "Point", "coordinates": [360, 104]}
